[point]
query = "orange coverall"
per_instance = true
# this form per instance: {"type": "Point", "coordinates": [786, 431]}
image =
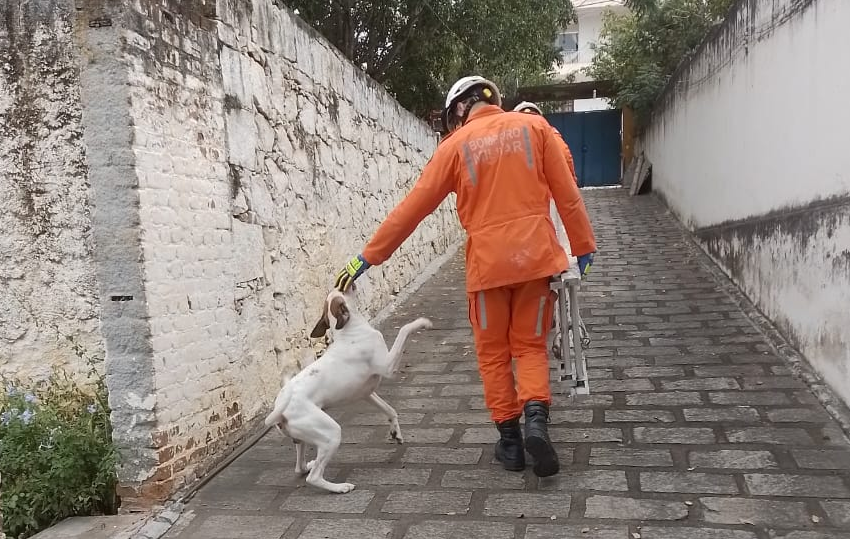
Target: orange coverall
{"type": "Point", "coordinates": [504, 167]}
{"type": "Point", "coordinates": [568, 154]}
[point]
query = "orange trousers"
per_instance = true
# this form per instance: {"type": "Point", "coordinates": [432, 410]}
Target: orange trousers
{"type": "Point", "coordinates": [512, 322]}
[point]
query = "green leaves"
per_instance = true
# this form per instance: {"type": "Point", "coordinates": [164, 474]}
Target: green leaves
{"type": "Point", "coordinates": [56, 452]}
{"type": "Point", "coordinates": [418, 48]}
{"type": "Point", "coordinates": [641, 50]}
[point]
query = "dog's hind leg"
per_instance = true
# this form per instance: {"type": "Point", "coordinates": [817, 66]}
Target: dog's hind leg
{"type": "Point", "coordinates": [312, 425]}
{"type": "Point", "coordinates": [300, 465]}
{"type": "Point", "coordinates": [392, 416]}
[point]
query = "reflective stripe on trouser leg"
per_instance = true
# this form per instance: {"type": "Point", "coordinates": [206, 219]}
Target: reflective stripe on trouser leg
{"type": "Point", "coordinates": [532, 307]}
{"type": "Point", "coordinates": [482, 310]}
{"type": "Point", "coordinates": [541, 310]}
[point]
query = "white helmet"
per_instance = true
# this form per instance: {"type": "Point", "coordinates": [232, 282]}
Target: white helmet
{"type": "Point", "coordinates": [528, 105]}
{"type": "Point", "coordinates": [465, 84]}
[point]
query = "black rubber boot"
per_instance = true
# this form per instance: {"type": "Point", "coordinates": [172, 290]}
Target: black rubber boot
{"type": "Point", "coordinates": [509, 450]}
{"type": "Point", "coordinates": [537, 439]}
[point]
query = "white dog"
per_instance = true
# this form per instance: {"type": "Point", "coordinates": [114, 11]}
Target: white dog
{"type": "Point", "coordinates": [349, 370]}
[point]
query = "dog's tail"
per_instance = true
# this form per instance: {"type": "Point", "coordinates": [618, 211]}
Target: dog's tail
{"type": "Point", "coordinates": [276, 416]}
{"type": "Point", "coordinates": [398, 345]}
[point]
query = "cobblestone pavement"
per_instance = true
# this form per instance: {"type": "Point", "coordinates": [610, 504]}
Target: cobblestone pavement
{"type": "Point", "coordinates": [694, 430]}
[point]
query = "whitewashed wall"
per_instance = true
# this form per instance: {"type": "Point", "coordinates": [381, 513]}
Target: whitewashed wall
{"type": "Point", "coordinates": [748, 147]}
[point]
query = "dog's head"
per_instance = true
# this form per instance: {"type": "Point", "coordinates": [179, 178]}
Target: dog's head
{"type": "Point", "coordinates": [335, 314]}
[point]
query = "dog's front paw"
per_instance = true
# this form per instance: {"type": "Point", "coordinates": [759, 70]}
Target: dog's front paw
{"type": "Point", "coordinates": [310, 465]}
{"type": "Point", "coordinates": [341, 488]}
{"type": "Point", "coordinates": [395, 433]}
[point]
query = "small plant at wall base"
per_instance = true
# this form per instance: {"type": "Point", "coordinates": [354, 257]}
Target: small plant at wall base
{"type": "Point", "coordinates": [641, 50]}
{"type": "Point", "coordinates": [56, 451]}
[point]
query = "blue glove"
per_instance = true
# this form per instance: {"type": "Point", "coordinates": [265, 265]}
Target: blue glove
{"type": "Point", "coordinates": [584, 263]}
{"type": "Point", "coordinates": [354, 269]}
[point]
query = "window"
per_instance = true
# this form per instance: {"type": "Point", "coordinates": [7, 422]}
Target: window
{"type": "Point", "coordinates": [567, 41]}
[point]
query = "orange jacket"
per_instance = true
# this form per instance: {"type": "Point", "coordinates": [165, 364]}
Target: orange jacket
{"type": "Point", "coordinates": [568, 154]}
{"type": "Point", "coordinates": [503, 167]}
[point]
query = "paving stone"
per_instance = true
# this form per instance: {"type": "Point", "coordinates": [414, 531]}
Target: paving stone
{"type": "Point", "coordinates": [594, 400]}
{"type": "Point", "coordinates": [769, 435]}
{"type": "Point", "coordinates": [355, 501]}
{"type": "Point", "coordinates": [443, 502]}
{"type": "Point", "coordinates": [687, 360]}
{"type": "Point", "coordinates": [441, 455]}
{"type": "Point", "coordinates": [799, 534]}
{"type": "Point", "coordinates": [462, 418]}
{"type": "Point", "coordinates": [604, 456]}
{"type": "Point", "coordinates": [570, 416]}
{"type": "Point", "coordinates": [355, 454]}
{"type": "Point", "coordinates": [634, 509]}
{"type": "Point", "coordinates": [733, 459]}
{"type": "Point", "coordinates": [483, 479]}
{"type": "Point", "coordinates": [722, 415]}
{"type": "Point", "coordinates": [838, 512]}
{"type": "Point", "coordinates": [798, 415]}
{"type": "Point", "coordinates": [728, 370]}
{"type": "Point", "coordinates": [427, 436]}
{"type": "Point", "coordinates": [431, 404]}
{"type": "Point", "coordinates": [822, 459]}
{"type": "Point", "coordinates": [424, 379]}
{"type": "Point", "coordinates": [223, 497]}
{"type": "Point", "coordinates": [361, 528]}
{"type": "Point", "coordinates": [773, 382]}
{"type": "Point", "coordinates": [672, 398]}
{"type": "Point", "coordinates": [359, 435]}
{"type": "Point", "coordinates": [632, 384]}
{"type": "Point", "coordinates": [755, 512]}
{"type": "Point", "coordinates": [653, 372]}
{"type": "Point", "coordinates": [575, 531]}
{"type": "Point", "coordinates": [404, 418]}
{"type": "Point", "coordinates": [604, 480]}
{"type": "Point", "coordinates": [426, 367]}
{"type": "Point", "coordinates": [462, 390]}
{"type": "Point", "coordinates": [688, 482]}
{"type": "Point", "coordinates": [639, 416]}
{"type": "Point", "coordinates": [479, 435]}
{"type": "Point", "coordinates": [213, 526]}
{"type": "Point", "coordinates": [832, 435]}
{"type": "Point", "coordinates": [389, 476]}
{"type": "Point", "coordinates": [286, 477]}
{"type": "Point", "coordinates": [527, 505]}
{"type": "Point", "coordinates": [622, 362]}
{"type": "Point", "coordinates": [674, 435]}
{"type": "Point", "coordinates": [749, 398]}
{"type": "Point", "coordinates": [700, 384]}
{"type": "Point", "coordinates": [796, 485]}
{"type": "Point", "coordinates": [454, 529]}
{"type": "Point", "coordinates": [406, 391]}
{"type": "Point", "coordinates": [653, 532]}
{"type": "Point", "coordinates": [588, 435]}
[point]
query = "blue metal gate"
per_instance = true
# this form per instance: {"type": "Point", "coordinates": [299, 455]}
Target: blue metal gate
{"type": "Point", "coordinates": [595, 141]}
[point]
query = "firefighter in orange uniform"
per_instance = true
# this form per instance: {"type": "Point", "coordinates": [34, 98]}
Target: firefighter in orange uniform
{"type": "Point", "coordinates": [528, 107]}
{"type": "Point", "coordinates": [503, 167]}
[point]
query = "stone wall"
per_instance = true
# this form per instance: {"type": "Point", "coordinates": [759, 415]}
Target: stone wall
{"type": "Point", "coordinates": [236, 161]}
{"type": "Point", "coordinates": [47, 281]}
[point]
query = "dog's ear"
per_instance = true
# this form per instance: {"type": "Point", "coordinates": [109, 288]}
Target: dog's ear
{"type": "Point", "coordinates": [322, 326]}
{"type": "Point", "coordinates": [339, 310]}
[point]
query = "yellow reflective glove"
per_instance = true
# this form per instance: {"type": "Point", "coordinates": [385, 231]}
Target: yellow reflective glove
{"type": "Point", "coordinates": [354, 269]}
